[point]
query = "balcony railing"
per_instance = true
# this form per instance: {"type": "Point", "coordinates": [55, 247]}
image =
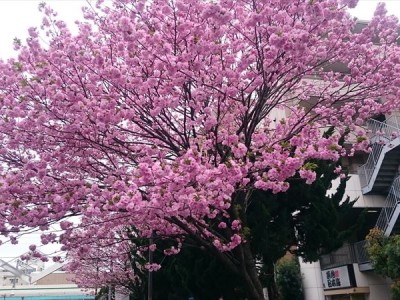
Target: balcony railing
{"type": "Point", "coordinates": [343, 256]}
{"type": "Point", "coordinates": [361, 252]}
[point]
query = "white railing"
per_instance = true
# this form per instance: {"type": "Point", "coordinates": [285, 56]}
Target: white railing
{"type": "Point", "coordinates": [384, 131]}
{"type": "Point", "coordinates": [393, 122]}
{"type": "Point", "coordinates": [366, 171]}
{"type": "Point", "coordinates": [381, 134]}
{"type": "Point", "coordinates": [387, 217]}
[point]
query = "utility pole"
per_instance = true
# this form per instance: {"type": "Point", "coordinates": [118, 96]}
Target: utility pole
{"type": "Point", "coordinates": [150, 273]}
{"type": "Point", "coordinates": [111, 286]}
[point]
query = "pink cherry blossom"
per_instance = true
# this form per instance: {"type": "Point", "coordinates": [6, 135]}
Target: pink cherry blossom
{"type": "Point", "coordinates": [159, 118]}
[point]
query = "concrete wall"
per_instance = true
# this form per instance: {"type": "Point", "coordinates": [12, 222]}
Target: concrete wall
{"type": "Point", "coordinates": [379, 287]}
{"type": "Point", "coordinates": [353, 190]}
{"type": "Point", "coordinates": [312, 280]}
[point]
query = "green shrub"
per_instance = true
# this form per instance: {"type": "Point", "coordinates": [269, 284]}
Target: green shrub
{"type": "Point", "coordinates": [288, 280]}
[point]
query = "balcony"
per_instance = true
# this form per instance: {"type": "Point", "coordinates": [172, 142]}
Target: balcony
{"type": "Point", "coordinates": [347, 254]}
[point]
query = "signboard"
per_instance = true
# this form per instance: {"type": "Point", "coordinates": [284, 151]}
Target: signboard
{"type": "Point", "coordinates": [336, 278]}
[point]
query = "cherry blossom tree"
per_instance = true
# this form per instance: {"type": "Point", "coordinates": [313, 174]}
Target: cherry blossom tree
{"type": "Point", "coordinates": [165, 116]}
{"type": "Point", "coordinates": [304, 216]}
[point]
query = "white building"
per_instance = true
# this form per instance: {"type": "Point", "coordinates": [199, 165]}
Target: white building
{"type": "Point", "coordinates": [347, 273]}
{"type": "Point", "coordinates": [18, 272]}
{"type": "Point", "coordinates": [19, 281]}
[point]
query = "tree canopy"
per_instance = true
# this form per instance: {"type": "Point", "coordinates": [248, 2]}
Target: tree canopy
{"type": "Point", "coordinates": [166, 116]}
{"type": "Point", "coordinates": [384, 253]}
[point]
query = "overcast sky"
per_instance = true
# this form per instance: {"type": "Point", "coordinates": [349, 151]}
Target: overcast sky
{"type": "Point", "coordinates": [16, 16]}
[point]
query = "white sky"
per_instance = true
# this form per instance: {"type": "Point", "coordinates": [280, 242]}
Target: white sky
{"type": "Point", "coordinates": [16, 16]}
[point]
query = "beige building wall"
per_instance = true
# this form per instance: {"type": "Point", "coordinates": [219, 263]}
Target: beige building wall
{"type": "Point", "coordinates": [55, 278]}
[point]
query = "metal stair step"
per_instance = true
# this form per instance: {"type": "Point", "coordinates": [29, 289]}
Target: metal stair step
{"type": "Point", "coordinates": [389, 167]}
{"type": "Point", "coordinates": [390, 160]}
{"type": "Point", "coordinates": [382, 165]}
{"type": "Point", "coordinates": [387, 173]}
{"type": "Point", "coordinates": [382, 184]}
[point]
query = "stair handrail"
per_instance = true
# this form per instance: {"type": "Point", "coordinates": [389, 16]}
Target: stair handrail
{"type": "Point", "coordinates": [393, 121]}
{"type": "Point", "coordinates": [366, 171]}
{"type": "Point", "coordinates": [391, 202]}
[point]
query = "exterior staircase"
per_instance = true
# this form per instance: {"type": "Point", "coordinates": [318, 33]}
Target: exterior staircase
{"type": "Point", "coordinates": [390, 212]}
{"type": "Point", "coordinates": [389, 169]}
{"type": "Point", "coordinates": [388, 222]}
{"type": "Point", "coordinates": [380, 175]}
{"type": "Point", "coordinates": [382, 165]}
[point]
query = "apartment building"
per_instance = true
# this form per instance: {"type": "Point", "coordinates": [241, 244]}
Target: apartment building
{"type": "Point", "coordinates": [347, 274]}
{"type": "Point", "coordinates": [19, 281]}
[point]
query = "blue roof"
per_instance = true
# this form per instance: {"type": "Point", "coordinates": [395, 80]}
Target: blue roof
{"type": "Point", "coordinates": [63, 297]}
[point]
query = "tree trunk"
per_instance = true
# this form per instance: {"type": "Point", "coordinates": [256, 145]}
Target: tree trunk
{"type": "Point", "coordinates": [273, 292]}
{"type": "Point", "coordinates": [271, 284]}
{"type": "Point", "coordinates": [243, 254]}
{"type": "Point", "coordinates": [252, 281]}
